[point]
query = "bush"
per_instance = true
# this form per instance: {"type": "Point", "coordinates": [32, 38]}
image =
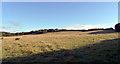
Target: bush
{"type": "Point", "coordinates": [2, 38]}
{"type": "Point", "coordinates": [117, 27]}
{"type": "Point", "coordinates": [17, 38]}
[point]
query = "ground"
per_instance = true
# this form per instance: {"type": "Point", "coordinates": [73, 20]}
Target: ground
{"type": "Point", "coordinates": [66, 46]}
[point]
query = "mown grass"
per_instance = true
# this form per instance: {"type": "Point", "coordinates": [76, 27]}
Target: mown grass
{"type": "Point", "coordinates": [33, 44]}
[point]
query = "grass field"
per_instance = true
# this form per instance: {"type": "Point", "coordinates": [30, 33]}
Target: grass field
{"type": "Point", "coordinates": [101, 46]}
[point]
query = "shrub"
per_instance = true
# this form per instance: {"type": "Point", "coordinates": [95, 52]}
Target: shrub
{"type": "Point", "coordinates": [2, 38]}
{"type": "Point", "coordinates": [17, 38]}
{"type": "Point", "coordinates": [117, 27]}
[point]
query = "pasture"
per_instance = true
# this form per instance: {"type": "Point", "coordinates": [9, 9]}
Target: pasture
{"type": "Point", "coordinates": [66, 46]}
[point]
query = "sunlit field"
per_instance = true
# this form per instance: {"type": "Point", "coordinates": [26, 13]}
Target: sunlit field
{"type": "Point", "coordinates": [66, 46]}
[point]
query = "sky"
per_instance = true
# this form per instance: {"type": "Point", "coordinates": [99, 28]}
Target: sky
{"type": "Point", "coordinates": [27, 16]}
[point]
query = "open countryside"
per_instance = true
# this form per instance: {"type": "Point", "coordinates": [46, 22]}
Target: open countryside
{"type": "Point", "coordinates": [66, 46]}
{"type": "Point", "coordinates": [60, 32]}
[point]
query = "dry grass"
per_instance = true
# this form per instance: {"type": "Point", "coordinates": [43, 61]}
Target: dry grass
{"type": "Point", "coordinates": [33, 44]}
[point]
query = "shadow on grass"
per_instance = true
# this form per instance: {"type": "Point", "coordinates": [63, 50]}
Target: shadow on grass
{"type": "Point", "coordinates": [103, 32]}
{"type": "Point", "coordinates": [103, 52]}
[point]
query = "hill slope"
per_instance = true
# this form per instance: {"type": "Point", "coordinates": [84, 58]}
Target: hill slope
{"type": "Point", "coordinates": [62, 46]}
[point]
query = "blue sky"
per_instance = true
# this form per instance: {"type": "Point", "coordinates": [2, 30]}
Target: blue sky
{"type": "Point", "coordinates": [27, 16]}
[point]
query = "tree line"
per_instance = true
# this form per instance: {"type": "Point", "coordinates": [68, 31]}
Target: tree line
{"type": "Point", "coordinates": [46, 31]}
{"type": "Point", "coordinates": [27, 33]}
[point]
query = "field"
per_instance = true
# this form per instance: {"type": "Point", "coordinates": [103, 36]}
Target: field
{"type": "Point", "coordinates": [66, 46]}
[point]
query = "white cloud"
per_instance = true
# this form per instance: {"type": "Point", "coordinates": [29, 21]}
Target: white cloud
{"type": "Point", "coordinates": [86, 27]}
{"type": "Point", "coordinates": [12, 31]}
{"type": "Point", "coordinates": [16, 24]}
{"type": "Point", "coordinates": [4, 27]}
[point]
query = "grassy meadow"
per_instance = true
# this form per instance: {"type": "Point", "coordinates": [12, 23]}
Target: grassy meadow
{"type": "Point", "coordinates": [66, 46]}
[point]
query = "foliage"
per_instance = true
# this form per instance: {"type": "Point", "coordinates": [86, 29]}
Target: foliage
{"type": "Point", "coordinates": [17, 38]}
{"type": "Point", "coordinates": [42, 31]}
{"type": "Point", "coordinates": [117, 27]}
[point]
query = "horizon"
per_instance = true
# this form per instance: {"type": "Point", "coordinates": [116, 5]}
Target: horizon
{"type": "Point", "coordinates": [66, 28]}
{"type": "Point", "coordinates": [28, 16]}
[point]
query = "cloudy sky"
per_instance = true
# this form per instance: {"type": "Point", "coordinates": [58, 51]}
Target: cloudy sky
{"type": "Point", "coordinates": [27, 16]}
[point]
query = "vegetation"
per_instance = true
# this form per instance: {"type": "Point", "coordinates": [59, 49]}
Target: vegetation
{"type": "Point", "coordinates": [65, 46]}
{"type": "Point", "coordinates": [47, 31]}
{"type": "Point", "coordinates": [117, 27]}
{"type": "Point", "coordinates": [17, 38]}
{"type": "Point", "coordinates": [2, 38]}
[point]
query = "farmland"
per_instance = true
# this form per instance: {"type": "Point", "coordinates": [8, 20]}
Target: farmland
{"type": "Point", "coordinates": [66, 46]}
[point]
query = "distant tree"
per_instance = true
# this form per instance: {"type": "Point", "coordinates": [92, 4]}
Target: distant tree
{"type": "Point", "coordinates": [109, 28]}
{"type": "Point", "coordinates": [9, 34]}
{"type": "Point", "coordinates": [51, 30]}
{"type": "Point", "coordinates": [3, 33]}
{"type": "Point", "coordinates": [56, 30]}
{"type": "Point", "coordinates": [117, 27]}
{"type": "Point", "coordinates": [22, 33]}
{"type": "Point", "coordinates": [44, 31]}
{"type": "Point", "coordinates": [17, 34]}
{"type": "Point", "coordinates": [13, 34]}
{"type": "Point", "coordinates": [6, 34]}
{"type": "Point", "coordinates": [39, 30]}
{"type": "Point", "coordinates": [32, 32]}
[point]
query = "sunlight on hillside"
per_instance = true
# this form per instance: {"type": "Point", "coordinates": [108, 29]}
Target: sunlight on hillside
{"type": "Point", "coordinates": [70, 40]}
